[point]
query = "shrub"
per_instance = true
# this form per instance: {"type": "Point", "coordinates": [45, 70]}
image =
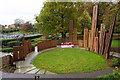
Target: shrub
{"type": "Point", "coordinates": [34, 44]}
{"type": "Point", "coordinates": [6, 49]}
{"type": "Point", "coordinates": [114, 76]}
{"type": "Point", "coordinates": [115, 62]}
{"type": "Point", "coordinates": [4, 46]}
{"type": "Point", "coordinates": [9, 30]}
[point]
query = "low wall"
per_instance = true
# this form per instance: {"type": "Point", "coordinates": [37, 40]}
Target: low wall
{"type": "Point", "coordinates": [46, 44]}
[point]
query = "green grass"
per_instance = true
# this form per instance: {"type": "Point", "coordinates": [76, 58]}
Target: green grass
{"type": "Point", "coordinates": [70, 61]}
{"type": "Point", "coordinates": [115, 43]}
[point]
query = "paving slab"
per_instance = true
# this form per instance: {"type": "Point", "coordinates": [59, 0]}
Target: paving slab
{"type": "Point", "coordinates": [24, 69]}
{"type": "Point", "coordinates": [41, 72]}
{"type": "Point", "coordinates": [32, 71]}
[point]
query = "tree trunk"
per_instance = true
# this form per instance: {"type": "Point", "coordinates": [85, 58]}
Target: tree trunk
{"type": "Point", "coordinates": [63, 35]}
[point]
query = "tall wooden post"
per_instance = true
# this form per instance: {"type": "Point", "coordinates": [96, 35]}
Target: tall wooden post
{"type": "Point", "coordinates": [85, 38]}
{"type": "Point", "coordinates": [23, 41]}
{"type": "Point", "coordinates": [89, 39]}
{"type": "Point", "coordinates": [75, 36]}
{"type": "Point", "coordinates": [94, 24]}
{"type": "Point", "coordinates": [96, 32]}
{"type": "Point", "coordinates": [109, 38]}
{"type": "Point", "coordinates": [102, 39]}
{"type": "Point", "coordinates": [80, 43]}
{"type": "Point", "coordinates": [96, 44]}
{"type": "Point", "coordinates": [71, 30]}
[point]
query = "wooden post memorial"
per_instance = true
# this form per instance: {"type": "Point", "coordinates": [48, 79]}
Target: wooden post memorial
{"type": "Point", "coordinates": [95, 41]}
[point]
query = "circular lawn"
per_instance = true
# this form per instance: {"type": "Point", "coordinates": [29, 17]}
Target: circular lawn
{"type": "Point", "coordinates": [70, 61]}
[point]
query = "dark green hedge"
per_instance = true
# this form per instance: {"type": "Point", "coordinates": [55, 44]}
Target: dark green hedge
{"type": "Point", "coordinates": [6, 49]}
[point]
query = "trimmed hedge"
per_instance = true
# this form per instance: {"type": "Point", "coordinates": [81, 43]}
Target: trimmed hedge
{"type": "Point", "coordinates": [6, 49]}
{"type": "Point", "coordinates": [13, 43]}
{"type": "Point", "coordinates": [33, 37]}
{"type": "Point", "coordinates": [5, 41]}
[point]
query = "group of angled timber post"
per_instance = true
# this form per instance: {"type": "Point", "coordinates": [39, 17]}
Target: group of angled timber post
{"type": "Point", "coordinates": [94, 40]}
{"type": "Point", "coordinates": [20, 52]}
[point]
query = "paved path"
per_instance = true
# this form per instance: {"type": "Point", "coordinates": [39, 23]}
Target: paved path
{"type": "Point", "coordinates": [115, 54]}
{"type": "Point", "coordinates": [75, 75]}
{"type": "Point", "coordinates": [26, 66]}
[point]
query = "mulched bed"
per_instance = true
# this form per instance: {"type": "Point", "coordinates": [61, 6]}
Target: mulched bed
{"type": "Point", "coordinates": [8, 68]}
{"type": "Point", "coordinates": [111, 58]}
{"type": "Point", "coordinates": [116, 35]}
{"type": "Point", "coordinates": [117, 39]}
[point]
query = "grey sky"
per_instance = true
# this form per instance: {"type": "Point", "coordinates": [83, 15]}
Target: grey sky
{"type": "Point", "coordinates": [19, 9]}
{"type": "Point", "coordinates": [23, 9]}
